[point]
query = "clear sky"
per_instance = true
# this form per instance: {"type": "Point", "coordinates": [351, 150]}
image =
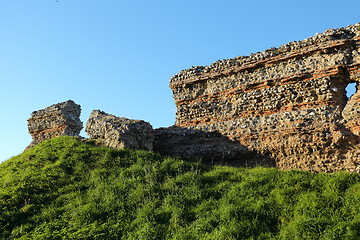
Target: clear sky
{"type": "Point", "coordinates": [118, 55]}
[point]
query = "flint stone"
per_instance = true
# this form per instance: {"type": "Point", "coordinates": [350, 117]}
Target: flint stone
{"type": "Point", "coordinates": [118, 132]}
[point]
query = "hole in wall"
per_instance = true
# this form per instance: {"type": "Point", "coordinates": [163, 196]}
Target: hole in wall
{"type": "Point", "coordinates": [350, 89]}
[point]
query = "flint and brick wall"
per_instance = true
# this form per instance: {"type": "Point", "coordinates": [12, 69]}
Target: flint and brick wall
{"type": "Point", "coordinates": [287, 103]}
{"type": "Point", "coordinates": [54, 121]}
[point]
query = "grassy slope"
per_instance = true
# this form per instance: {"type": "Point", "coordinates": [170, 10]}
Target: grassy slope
{"type": "Point", "coordinates": [66, 189]}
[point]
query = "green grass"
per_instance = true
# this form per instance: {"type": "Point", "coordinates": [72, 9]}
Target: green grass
{"type": "Point", "coordinates": [67, 189]}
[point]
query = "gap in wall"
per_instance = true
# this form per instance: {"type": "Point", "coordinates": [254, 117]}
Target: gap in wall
{"type": "Point", "coordinates": [350, 89]}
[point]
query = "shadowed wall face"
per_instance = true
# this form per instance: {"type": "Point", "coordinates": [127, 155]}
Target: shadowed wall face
{"type": "Point", "coordinates": [288, 103]}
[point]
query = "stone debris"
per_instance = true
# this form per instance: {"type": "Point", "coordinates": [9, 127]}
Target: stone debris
{"type": "Point", "coordinates": [288, 103]}
{"type": "Point", "coordinates": [56, 120]}
{"type": "Point", "coordinates": [119, 132]}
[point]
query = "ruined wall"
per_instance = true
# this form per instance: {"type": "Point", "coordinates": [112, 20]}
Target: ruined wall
{"type": "Point", "coordinates": [287, 103]}
{"type": "Point", "coordinates": [57, 120]}
{"type": "Point", "coordinates": [119, 132]}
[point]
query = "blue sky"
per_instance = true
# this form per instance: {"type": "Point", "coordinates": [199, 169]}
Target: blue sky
{"type": "Point", "coordinates": [118, 56]}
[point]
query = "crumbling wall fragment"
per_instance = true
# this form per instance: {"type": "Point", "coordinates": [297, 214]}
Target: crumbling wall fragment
{"type": "Point", "coordinates": [118, 132]}
{"type": "Point", "coordinates": [57, 120]}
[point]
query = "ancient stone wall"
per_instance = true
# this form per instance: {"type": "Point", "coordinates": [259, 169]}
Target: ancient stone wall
{"type": "Point", "coordinates": [287, 103]}
{"type": "Point", "coordinates": [118, 132]}
{"type": "Point", "coordinates": [208, 147]}
{"type": "Point", "coordinates": [56, 120]}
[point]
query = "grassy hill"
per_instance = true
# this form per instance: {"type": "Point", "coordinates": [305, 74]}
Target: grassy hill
{"type": "Point", "coordinates": [67, 189]}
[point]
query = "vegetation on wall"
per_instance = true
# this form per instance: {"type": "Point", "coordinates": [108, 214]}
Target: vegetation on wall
{"type": "Point", "coordinates": [67, 189]}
